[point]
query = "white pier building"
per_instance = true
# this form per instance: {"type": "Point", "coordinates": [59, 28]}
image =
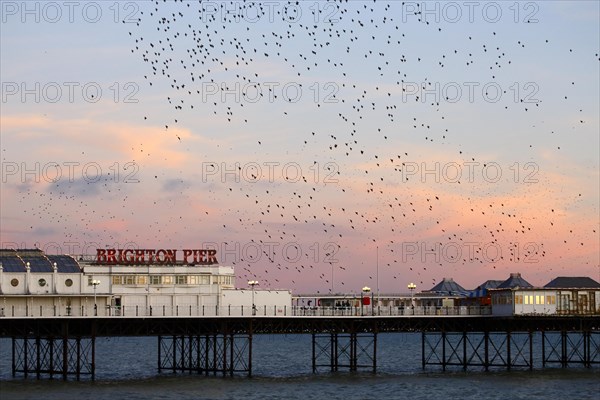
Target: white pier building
{"type": "Point", "coordinates": [163, 282]}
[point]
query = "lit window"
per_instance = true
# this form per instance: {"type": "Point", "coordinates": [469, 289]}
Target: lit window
{"type": "Point", "coordinates": [129, 279]}
{"type": "Point", "coordinates": [519, 299]}
{"type": "Point", "coordinates": [167, 280]}
{"type": "Point", "coordinates": [224, 280]}
{"type": "Point", "coordinates": [116, 280]}
{"type": "Point", "coordinates": [141, 280]}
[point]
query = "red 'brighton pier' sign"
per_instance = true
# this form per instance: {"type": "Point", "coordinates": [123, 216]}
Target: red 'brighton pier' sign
{"type": "Point", "coordinates": [151, 256]}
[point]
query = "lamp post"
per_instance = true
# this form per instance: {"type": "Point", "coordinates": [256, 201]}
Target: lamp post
{"type": "Point", "coordinates": [411, 286]}
{"type": "Point", "coordinates": [366, 289]}
{"type": "Point", "coordinates": [252, 284]}
{"type": "Point", "coordinates": [95, 284]}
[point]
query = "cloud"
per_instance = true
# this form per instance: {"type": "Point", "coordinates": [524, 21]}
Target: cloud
{"type": "Point", "coordinates": [97, 140]}
{"type": "Point", "coordinates": [81, 187]}
{"type": "Point", "coordinates": [174, 185]}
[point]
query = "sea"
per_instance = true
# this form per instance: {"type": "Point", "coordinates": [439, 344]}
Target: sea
{"type": "Point", "coordinates": [126, 368]}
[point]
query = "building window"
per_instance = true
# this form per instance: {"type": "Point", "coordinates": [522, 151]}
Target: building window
{"type": "Point", "coordinates": [167, 280]}
{"type": "Point", "coordinates": [42, 282]}
{"type": "Point", "coordinates": [519, 299]}
{"type": "Point", "coordinates": [155, 279]}
{"type": "Point", "coordinates": [223, 280]}
{"type": "Point", "coordinates": [181, 280]}
{"type": "Point", "coordinates": [116, 280]}
{"type": "Point", "coordinates": [550, 299]}
{"type": "Point", "coordinates": [14, 282]}
{"type": "Point", "coordinates": [142, 280]}
{"type": "Point", "coordinates": [129, 279]}
{"type": "Point", "coordinates": [198, 280]}
{"type": "Point", "coordinates": [69, 282]}
{"type": "Point", "coordinates": [539, 299]}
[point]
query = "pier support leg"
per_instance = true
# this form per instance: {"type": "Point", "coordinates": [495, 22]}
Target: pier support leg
{"type": "Point", "coordinates": [486, 360]}
{"type": "Point", "coordinates": [353, 351]}
{"type": "Point", "coordinates": [226, 354]}
{"type": "Point", "coordinates": [566, 347]}
{"type": "Point", "coordinates": [476, 349]}
{"type": "Point", "coordinates": [43, 356]}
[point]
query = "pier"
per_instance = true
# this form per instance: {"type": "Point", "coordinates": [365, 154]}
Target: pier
{"type": "Point", "coordinates": [222, 345]}
{"type": "Point", "coordinates": [54, 307]}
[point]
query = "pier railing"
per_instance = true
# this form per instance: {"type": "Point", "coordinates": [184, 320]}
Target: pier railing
{"type": "Point", "coordinates": [237, 311]}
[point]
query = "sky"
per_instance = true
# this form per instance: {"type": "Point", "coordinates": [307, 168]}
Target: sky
{"type": "Point", "coordinates": [318, 146]}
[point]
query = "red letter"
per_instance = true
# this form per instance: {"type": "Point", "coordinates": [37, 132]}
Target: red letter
{"type": "Point", "coordinates": [151, 256]}
{"type": "Point", "coordinates": [212, 259]}
{"type": "Point", "coordinates": [139, 256]}
{"type": "Point", "coordinates": [171, 258]}
{"type": "Point", "coordinates": [128, 256]}
{"type": "Point", "coordinates": [110, 256]}
{"type": "Point", "coordinates": [100, 256]}
{"type": "Point", "coordinates": [186, 254]}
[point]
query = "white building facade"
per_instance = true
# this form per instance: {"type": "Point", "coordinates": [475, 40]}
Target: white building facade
{"type": "Point", "coordinates": [126, 283]}
{"type": "Point", "coordinates": [548, 301]}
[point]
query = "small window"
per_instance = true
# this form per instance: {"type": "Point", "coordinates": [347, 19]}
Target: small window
{"type": "Point", "coordinates": [42, 282]}
{"type": "Point", "coordinates": [14, 282]}
{"type": "Point", "coordinates": [69, 282]}
{"type": "Point", "coordinates": [519, 299]}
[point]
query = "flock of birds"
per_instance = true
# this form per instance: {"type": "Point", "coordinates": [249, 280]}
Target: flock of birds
{"type": "Point", "coordinates": [359, 133]}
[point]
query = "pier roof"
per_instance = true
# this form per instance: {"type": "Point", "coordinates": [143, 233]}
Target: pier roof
{"type": "Point", "coordinates": [18, 259]}
{"type": "Point", "coordinates": [582, 282]}
{"type": "Point", "coordinates": [482, 290]}
{"type": "Point", "coordinates": [515, 280]}
{"type": "Point", "coordinates": [448, 286]}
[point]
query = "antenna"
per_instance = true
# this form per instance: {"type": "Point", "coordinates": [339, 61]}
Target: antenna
{"type": "Point", "coordinates": [377, 274]}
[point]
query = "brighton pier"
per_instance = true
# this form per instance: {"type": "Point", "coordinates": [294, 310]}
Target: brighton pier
{"type": "Point", "coordinates": [53, 308]}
